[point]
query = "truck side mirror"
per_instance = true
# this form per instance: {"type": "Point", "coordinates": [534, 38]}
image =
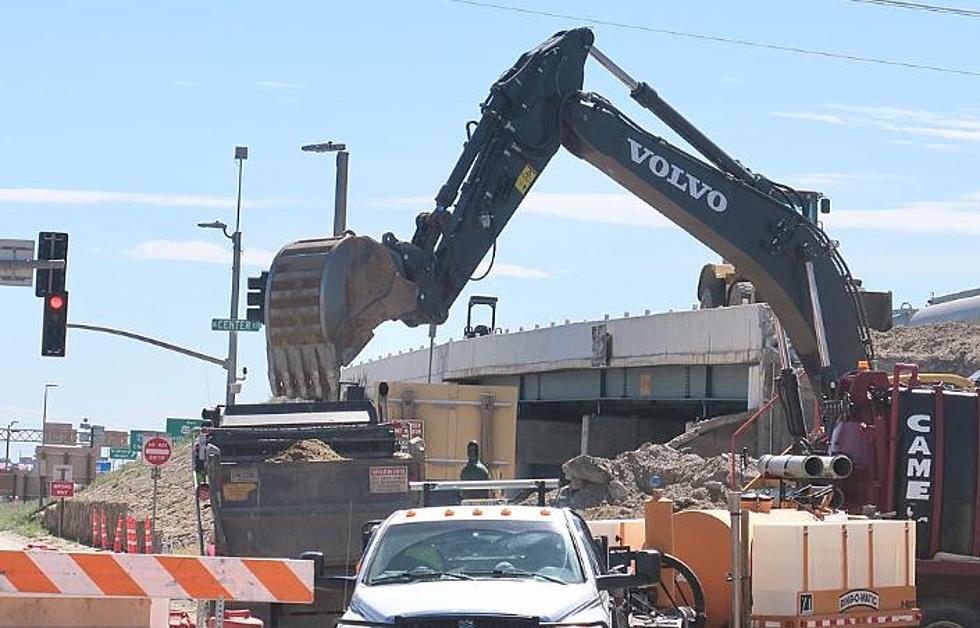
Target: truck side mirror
{"type": "Point", "coordinates": [825, 205]}
{"type": "Point", "coordinates": [367, 532]}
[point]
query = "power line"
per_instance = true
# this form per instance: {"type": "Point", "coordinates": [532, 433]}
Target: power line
{"type": "Point", "coordinates": [918, 6]}
{"type": "Point", "coordinates": [724, 40]}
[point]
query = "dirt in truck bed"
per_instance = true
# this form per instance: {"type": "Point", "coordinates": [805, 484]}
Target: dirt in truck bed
{"type": "Point", "coordinates": [309, 450]}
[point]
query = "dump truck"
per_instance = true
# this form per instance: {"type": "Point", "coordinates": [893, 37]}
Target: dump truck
{"type": "Point", "coordinates": [292, 480]}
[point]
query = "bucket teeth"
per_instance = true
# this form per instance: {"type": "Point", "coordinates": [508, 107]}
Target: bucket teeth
{"type": "Point", "coordinates": [324, 300]}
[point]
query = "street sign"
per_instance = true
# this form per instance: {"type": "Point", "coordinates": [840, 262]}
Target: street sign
{"type": "Point", "coordinates": [157, 450]}
{"type": "Point", "coordinates": [103, 466]}
{"type": "Point", "coordinates": [62, 489]}
{"type": "Point", "coordinates": [62, 472]}
{"type": "Point", "coordinates": [182, 429]}
{"type": "Point", "coordinates": [136, 438]}
{"type": "Point", "coordinates": [16, 251]}
{"type": "Point", "coordinates": [122, 453]}
{"type": "Point", "coordinates": [234, 324]}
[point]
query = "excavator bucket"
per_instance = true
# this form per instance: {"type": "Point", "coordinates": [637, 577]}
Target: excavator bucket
{"type": "Point", "coordinates": [324, 298]}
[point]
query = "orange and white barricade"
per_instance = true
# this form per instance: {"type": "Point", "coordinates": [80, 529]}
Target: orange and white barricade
{"type": "Point", "coordinates": [37, 578]}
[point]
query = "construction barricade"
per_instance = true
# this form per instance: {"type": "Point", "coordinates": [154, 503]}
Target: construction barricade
{"type": "Point", "coordinates": [137, 586]}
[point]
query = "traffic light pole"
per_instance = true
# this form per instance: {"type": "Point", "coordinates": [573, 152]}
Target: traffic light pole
{"type": "Point", "coordinates": [223, 363]}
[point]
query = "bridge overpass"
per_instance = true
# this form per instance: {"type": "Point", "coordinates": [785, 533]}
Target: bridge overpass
{"type": "Point", "coordinates": [632, 379]}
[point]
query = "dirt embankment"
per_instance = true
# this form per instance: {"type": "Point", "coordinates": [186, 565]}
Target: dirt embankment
{"type": "Point", "coordinates": [132, 485]}
{"type": "Point", "coordinates": [941, 348]}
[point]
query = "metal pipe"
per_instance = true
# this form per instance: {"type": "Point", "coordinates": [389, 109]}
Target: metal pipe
{"type": "Point", "coordinates": [797, 467]}
{"type": "Point", "coordinates": [614, 69]}
{"type": "Point", "coordinates": [818, 326]}
{"type": "Point", "coordinates": [782, 344]}
{"type": "Point", "coordinates": [735, 511]}
{"type": "Point", "coordinates": [836, 467]}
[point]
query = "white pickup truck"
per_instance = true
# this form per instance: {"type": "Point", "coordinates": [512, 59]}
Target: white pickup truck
{"type": "Point", "coordinates": [489, 566]}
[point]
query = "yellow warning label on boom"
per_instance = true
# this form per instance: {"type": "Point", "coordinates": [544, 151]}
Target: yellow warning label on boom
{"type": "Point", "coordinates": [525, 179]}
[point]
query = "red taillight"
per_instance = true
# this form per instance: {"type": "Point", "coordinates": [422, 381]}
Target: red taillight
{"type": "Point", "coordinates": [56, 302]}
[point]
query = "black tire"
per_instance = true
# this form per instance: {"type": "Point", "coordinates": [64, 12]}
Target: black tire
{"type": "Point", "coordinates": [711, 293]}
{"type": "Point", "coordinates": [741, 292]}
{"type": "Point", "coordinates": [950, 617]}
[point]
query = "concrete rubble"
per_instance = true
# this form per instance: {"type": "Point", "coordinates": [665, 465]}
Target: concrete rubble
{"type": "Point", "coordinates": [609, 488]}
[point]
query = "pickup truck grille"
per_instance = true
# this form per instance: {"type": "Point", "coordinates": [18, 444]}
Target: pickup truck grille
{"type": "Point", "coordinates": [466, 622]}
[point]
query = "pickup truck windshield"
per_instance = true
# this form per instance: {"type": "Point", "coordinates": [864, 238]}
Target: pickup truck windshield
{"type": "Point", "coordinates": [481, 549]}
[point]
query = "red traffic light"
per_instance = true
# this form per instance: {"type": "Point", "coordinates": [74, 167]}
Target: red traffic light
{"type": "Point", "coordinates": [56, 302]}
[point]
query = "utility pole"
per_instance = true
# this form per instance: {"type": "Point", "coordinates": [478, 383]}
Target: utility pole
{"type": "Point", "coordinates": [340, 190]}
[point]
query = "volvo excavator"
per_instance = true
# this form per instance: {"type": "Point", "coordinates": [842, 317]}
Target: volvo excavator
{"type": "Point", "coordinates": [914, 442]}
{"type": "Point", "coordinates": [326, 296]}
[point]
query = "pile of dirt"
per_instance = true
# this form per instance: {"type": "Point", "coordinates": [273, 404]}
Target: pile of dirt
{"type": "Point", "coordinates": [309, 450]}
{"type": "Point", "coordinates": [940, 348]}
{"type": "Point", "coordinates": [603, 488]}
{"type": "Point", "coordinates": [133, 486]}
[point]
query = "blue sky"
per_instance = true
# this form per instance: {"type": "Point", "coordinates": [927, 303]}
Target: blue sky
{"type": "Point", "coordinates": [118, 122]}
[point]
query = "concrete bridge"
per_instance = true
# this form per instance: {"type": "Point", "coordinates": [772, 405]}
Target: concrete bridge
{"type": "Point", "coordinates": [630, 379]}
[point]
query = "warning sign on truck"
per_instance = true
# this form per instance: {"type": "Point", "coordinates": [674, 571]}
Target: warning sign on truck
{"type": "Point", "coordinates": [389, 479]}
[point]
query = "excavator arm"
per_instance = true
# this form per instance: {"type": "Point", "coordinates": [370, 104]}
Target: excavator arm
{"type": "Point", "coordinates": [536, 107]}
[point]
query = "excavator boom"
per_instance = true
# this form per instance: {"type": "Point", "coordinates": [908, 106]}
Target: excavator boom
{"type": "Point", "coordinates": [533, 109]}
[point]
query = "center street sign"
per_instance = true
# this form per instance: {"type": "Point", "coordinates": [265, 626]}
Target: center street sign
{"type": "Point", "coordinates": [234, 324]}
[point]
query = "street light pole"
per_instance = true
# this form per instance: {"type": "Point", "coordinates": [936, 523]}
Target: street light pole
{"type": "Point", "coordinates": [44, 441]}
{"type": "Point", "coordinates": [241, 154]}
{"type": "Point", "coordinates": [340, 191]}
{"type": "Point", "coordinates": [10, 427]}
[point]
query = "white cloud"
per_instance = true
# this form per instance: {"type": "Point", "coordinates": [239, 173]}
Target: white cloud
{"type": "Point", "coordinates": [811, 116]}
{"type": "Point", "coordinates": [825, 180]}
{"type": "Point", "coordinates": [513, 270]}
{"type": "Point", "coordinates": [615, 209]}
{"type": "Point", "coordinates": [185, 83]}
{"type": "Point", "coordinates": [917, 122]}
{"type": "Point", "coordinates": [277, 85]}
{"type": "Point", "coordinates": [198, 251]}
{"type": "Point", "coordinates": [950, 148]}
{"type": "Point", "coordinates": [49, 196]}
{"type": "Point", "coordinates": [958, 216]}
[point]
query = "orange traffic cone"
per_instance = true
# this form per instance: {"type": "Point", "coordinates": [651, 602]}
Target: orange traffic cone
{"type": "Point", "coordinates": [132, 546]}
{"type": "Point", "coordinates": [147, 537]}
{"type": "Point", "coordinates": [104, 532]}
{"type": "Point", "coordinates": [117, 541]}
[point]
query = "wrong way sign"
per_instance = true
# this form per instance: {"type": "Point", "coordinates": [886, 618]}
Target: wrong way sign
{"type": "Point", "coordinates": [157, 450]}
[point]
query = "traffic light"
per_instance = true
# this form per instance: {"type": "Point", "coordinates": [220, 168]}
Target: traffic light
{"type": "Point", "coordinates": [54, 326]}
{"type": "Point", "coordinates": [256, 297]}
{"type": "Point", "coordinates": [51, 245]}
